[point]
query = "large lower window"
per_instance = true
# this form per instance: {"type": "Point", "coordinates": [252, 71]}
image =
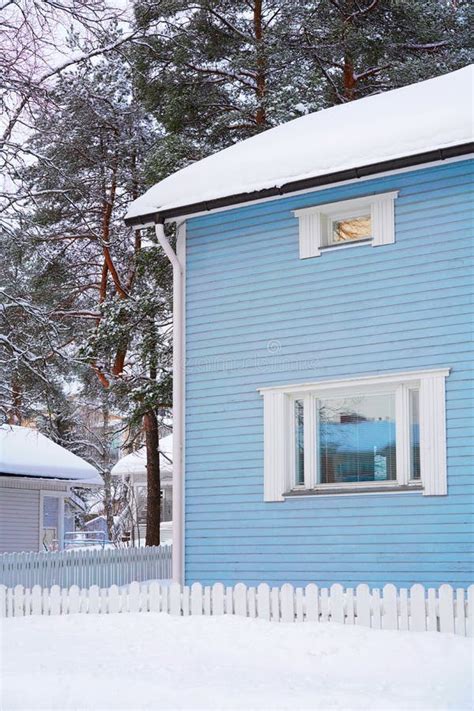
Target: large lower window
{"type": "Point", "coordinates": [381, 432]}
{"type": "Point", "coordinates": [357, 438]}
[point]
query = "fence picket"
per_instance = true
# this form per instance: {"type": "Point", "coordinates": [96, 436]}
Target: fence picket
{"type": "Point", "coordinates": [311, 595]}
{"type": "Point", "coordinates": [240, 600]}
{"type": "Point", "coordinates": [153, 597]}
{"type": "Point", "coordinates": [376, 610]}
{"type": "Point", "coordinates": [94, 600]}
{"type": "Point", "coordinates": [263, 601]}
{"type": "Point", "coordinates": [299, 605]}
{"type": "Point", "coordinates": [175, 599]}
{"type": "Point", "coordinates": [324, 605]}
{"type": "Point", "coordinates": [217, 595]}
{"type": "Point", "coordinates": [104, 601]}
{"type": "Point", "coordinates": [431, 611]}
{"type": "Point", "coordinates": [349, 607]}
{"type": "Point", "coordinates": [55, 600]}
{"type": "Point", "coordinates": [164, 598]}
{"type": "Point", "coordinates": [252, 602]}
{"type": "Point", "coordinates": [10, 592]}
{"type": "Point", "coordinates": [207, 600]}
{"type": "Point", "coordinates": [287, 603]}
{"type": "Point", "coordinates": [19, 601]}
{"type": "Point", "coordinates": [36, 600]}
{"type": "Point", "coordinates": [460, 610]}
{"type": "Point", "coordinates": [363, 601]}
{"type": "Point", "coordinates": [403, 609]}
{"type": "Point", "coordinates": [229, 601]}
{"type": "Point", "coordinates": [134, 597]}
{"type": "Point", "coordinates": [65, 601]}
{"type": "Point", "coordinates": [389, 608]}
{"type": "Point", "coordinates": [186, 607]}
{"type": "Point", "coordinates": [27, 602]}
{"type": "Point", "coordinates": [196, 599]}
{"type": "Point", "coordinates": [74, 600]}
{"type": "Point", "coordinates": [337, 603]}
{"type": "Point", "coordinates": [470, 611]}
{"type": "Point", "coordinates": [446, 609]}
{"type": "Point", "coordinates": [417, 608]}
{"type": "Point", "coordinates": [84, 601]}
{"type": "Point", "coordinates": [113, 600]}
{"type": "Point", "coordinates": [275, 604]}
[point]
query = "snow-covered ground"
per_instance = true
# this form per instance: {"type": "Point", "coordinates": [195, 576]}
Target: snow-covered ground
{"type": "Point", "coordinates": [154, 661]}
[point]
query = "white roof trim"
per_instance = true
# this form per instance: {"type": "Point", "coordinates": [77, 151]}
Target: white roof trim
{"type": "Point", "coordinates": [345, 204]}
{"type": "Point", "coordinates": [383, 378]}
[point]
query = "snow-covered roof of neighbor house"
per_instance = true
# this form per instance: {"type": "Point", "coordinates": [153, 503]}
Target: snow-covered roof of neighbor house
{"type": "Point", "coordinates": [413, 120]}
{"type": "Point", "coordinates": [27, 452]}
{"type": "Point", "coordinates": [134, 464]}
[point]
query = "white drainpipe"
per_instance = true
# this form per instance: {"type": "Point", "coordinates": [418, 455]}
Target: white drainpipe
{"type": "Point", "coordinates": [178, 399]}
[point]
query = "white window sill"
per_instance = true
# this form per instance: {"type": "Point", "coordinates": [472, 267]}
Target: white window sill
{"type": "Point", "coordinates": [347, 245]}
{"type": "Point", "coordinates": [329, 490]}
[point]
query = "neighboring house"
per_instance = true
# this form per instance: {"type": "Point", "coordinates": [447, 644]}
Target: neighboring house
{"type": "Point", "coordinates": [322, 351]}
{"type": "Point", "coordinates": [132, 469]}
{"type": "Point", "coordinates": [36, 475]}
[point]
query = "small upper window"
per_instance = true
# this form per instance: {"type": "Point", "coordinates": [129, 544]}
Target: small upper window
{"type": "Point", "coordinates": [350, 229]}
{"type": "Point", "coordinates": [369, 219]}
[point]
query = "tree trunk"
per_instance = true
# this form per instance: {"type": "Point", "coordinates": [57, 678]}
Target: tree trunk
{"type": "Point", "coordinates": [153, 510]}
{"type": "Point", "coordinates": [15, 414]}
{"type": "Point", "coordinates": [349, 79]}
{"type": "Point", "coordinates": [261, 78]}
{"type": "Point", "coordinates": [107, 477]}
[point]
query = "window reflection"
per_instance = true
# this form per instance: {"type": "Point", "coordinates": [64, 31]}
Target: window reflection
{"type": "Point", "coordinates": [415, 469]}
{"type": "Point", "coordinates": [299, 433]}
{"type": "Point", "coordinates": [357, 439]}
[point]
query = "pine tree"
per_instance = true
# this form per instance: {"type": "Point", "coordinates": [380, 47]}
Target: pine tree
{"type": "Point", "coordinates": [216, 71]}
{"type": "Point", "coordinates": [115, 294]}
{"type": "Point", "coordinates": [361, 48]}
{"type": "Point", "coordinates": [212, 73]}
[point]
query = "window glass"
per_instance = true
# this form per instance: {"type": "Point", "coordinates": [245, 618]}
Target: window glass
{"type": "Point", "coordinates": [50, 522]}
{"type": "Point", "coordinates": [299, 449]}
{"type": "Point", "coordinates": [356, 436]}
{"type": "Point", "coordinates": [415, 469]}
{"type": "Point", "coordinates": [351, 229]}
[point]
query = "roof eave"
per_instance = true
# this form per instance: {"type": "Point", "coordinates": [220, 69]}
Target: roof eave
{"type": "Point", "coordinates": [151, 218]}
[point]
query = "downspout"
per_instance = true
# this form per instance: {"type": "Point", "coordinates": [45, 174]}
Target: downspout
{"type": "Point", "coordinates": [178, 403]}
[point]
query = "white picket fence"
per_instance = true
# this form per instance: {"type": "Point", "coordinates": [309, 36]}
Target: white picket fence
{"type": "Point", "coordinates": [86, 567]}
{"type": "Point", "coordinates": [443, 609]}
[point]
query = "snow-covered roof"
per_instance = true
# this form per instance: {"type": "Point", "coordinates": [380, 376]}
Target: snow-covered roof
{"type": "Point", "coordinates": [134, 465]}
{"type": "Point", "coordinates": [423, 117]}
{"type": "Point", "coordinates": [27, 452]}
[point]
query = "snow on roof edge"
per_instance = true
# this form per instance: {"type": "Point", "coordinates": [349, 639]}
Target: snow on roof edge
{"type": "Point", "coordinates": [25, 452]}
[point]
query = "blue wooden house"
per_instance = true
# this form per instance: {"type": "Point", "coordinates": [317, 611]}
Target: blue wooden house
{"type": "Point", "coordinates": [322, 279]}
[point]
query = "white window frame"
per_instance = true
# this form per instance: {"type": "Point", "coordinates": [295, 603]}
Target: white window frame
{"type": "Point", "coordinates": [280, 440]}
{"type": "Point", "coordinates": [315, 223]}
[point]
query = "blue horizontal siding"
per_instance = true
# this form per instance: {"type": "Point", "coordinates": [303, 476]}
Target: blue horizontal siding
{"type": "Point", "coordinates": [351, 312]}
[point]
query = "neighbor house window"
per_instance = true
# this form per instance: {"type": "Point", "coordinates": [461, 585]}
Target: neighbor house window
{"type": "Point", "coordinates": [369, 219]}
{"type": "Point", "coordinates": [382, 433]}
